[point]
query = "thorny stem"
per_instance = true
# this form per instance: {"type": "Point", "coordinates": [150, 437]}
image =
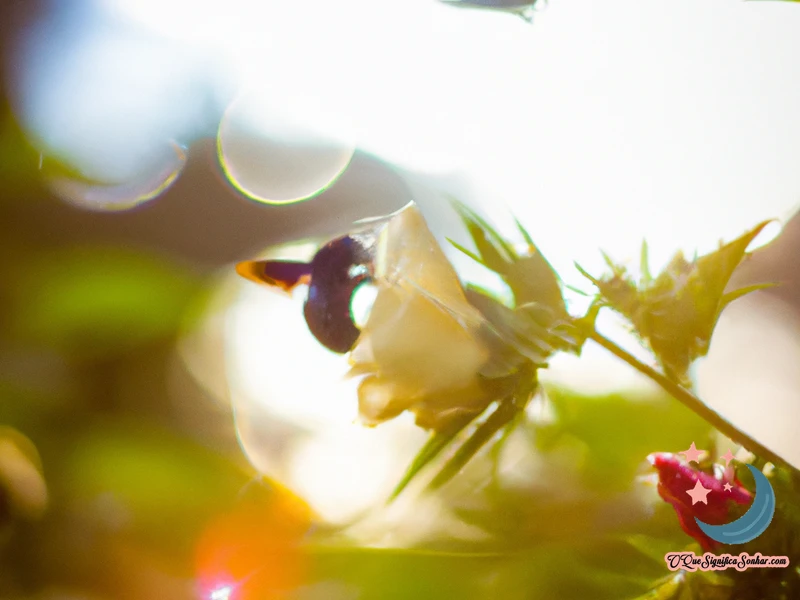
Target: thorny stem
{"type": "Point", "coordinates": [690, 401]}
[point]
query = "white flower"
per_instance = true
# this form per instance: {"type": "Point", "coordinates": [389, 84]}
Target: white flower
{"type": "Point", "coordinates": [420, 348]}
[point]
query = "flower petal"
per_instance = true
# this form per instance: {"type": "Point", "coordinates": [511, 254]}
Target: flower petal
{"type": "Point", "coordinates": [421, 334]}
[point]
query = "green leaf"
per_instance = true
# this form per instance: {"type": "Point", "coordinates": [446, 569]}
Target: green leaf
{"type": "Point", "coordinates": [603, 425]}
{"type": "Point", "coordinates": [736, 294]}
{"type": "Point", "coordinates": [675, 313]}
{"type": "Point", "coordinates": [610, 263]}
{"type": "Point", "coordinates": [713, 271]}
{"type": "Point", "coordinates": [532, 279]}
{"type": "Point", "coordinates": [501, 416]}
{"type": "Point", "coordinates": [94, 300]}
{"type": "Point", "coordinates": [591, 570]}
{"type": "Point", "coordinates": [494, 252]}
{"type": "Point", "coordinates": [437, 442]}
{"type": "Point", "coordinates": [491, 232]}
{"type": "Point", "coordinates": [711, 585]}
{"type": "Point", "coordinates": [671, 587]}
{"type": "Point", "coordinates": [654, 549]}
{"type": "Point", "coordinates": [154, 475]}
{"type": "Point", "coordinates": [525, 235]}
{"type": "Point", "coordinates": [645, 264]}
{"type": "Point", "coordinates": [469, 253]}
{"type": "Point", "coordinates": [578, 291]}
{"type": "Point", "coordinates": [513, 329]}
{"type": "Point", "coordinates": [398, 574]}
{"type": "Point", "coordinates": [585, 273]}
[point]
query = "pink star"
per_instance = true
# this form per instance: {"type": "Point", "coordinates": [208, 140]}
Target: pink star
{"type": "Point", "coordinates": [698, 493]}
{"type": "Point", "coordinates": [728, 487]}
{"type": "Point", "coordinates": [692, 454]}
{"type": "Point", "coordinates": [728, 457]}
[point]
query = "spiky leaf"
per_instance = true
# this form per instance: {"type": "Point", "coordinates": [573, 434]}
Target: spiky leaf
{"type": "Point", "coordinates": [437, 442]}
{"type": "Point", "coordinates": [675, 313]}
{"type": "Point", "coordinates": [502, 416]}
{"type": "Point", "coordinates": [530, 276]}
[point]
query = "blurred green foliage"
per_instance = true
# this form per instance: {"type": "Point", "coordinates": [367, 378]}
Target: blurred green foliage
{"type": "Point", "coordinates": [617, 431]}
{"type": "Point", "coordinates": [89, 301]}
{"type": "Point", "coordinates": [155, 475]}
{"type": "Point", "coordinates": [607, 540]}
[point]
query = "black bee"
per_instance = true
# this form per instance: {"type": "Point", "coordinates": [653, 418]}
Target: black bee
{"type": "Point", "coordinates": [332, 276]}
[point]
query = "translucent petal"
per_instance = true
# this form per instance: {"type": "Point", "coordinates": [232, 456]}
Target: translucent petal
{"type": "Point", "coordinates": [421, 331]}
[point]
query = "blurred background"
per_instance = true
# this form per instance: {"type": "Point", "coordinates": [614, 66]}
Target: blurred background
{"type": "Point", "coordinates": [168, 430]}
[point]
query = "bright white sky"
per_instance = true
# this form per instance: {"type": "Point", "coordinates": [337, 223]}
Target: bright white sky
{"type": "Point", "coordinates": [599, 124]}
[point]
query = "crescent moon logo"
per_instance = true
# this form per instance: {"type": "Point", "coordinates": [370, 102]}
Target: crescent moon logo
{"type": "Point", "coordinates": [751, 524]}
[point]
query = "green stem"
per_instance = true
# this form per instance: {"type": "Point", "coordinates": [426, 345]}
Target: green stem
{"type": "Point", "coordinates": [690, 401]}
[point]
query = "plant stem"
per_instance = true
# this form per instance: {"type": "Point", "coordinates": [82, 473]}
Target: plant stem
{"type": "Point", "coordinates": [690, 401]}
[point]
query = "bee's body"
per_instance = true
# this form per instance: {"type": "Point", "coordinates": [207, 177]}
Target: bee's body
{"type": "Point", "coordinates": [332, 276]}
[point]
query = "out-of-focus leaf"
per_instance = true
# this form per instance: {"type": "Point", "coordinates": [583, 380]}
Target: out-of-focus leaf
{"type": "Point", "coordinates": [526, 236]}
{"type": "Point", "coordinates": [736, 294]}
{"type": "Point", "coordinates": [671, 587]}
{"type": "Point", "coordinates": [35, 387]}
{"type": "Point", "coordinates": [89, 301]}
{"type": "Point", "coordinates": [675, 313]}
{"type": "Point", "coordinates": [518, 521]}
{"type": "Point", "coordinates": [644, 264]}
{"type": "Point", "coordinates": [578, 291]}
{"type": "Point", "coordinates": [437, 442]}
{"type": "Point", "coordinates": [596, 570]}
{"type": "Point", "coordinates": [18, 161]}
{"type": "Point", "coordinates": [533, 280]}
{"type": "Point", "coordinates": [653, 548]}
{"type": "Point", "coordinates": [22, 484]}
{"type": "Point", "coordinates": [530, 277]}
{"type": "Point", "coordinates": [710, 585]}
{"type": "Point", "coordinates": [585, 325]}
{"type": "Point", "coordinates": [469, 253]}
{"type": "Point", "coordinates": [147, 477]}
{"type": "Point", "coordinates": [619, 431]}
{"type": "Point", "coordinates": [495, 253]}
{"type": "Point", "coordinates": [511, 327]}
{"type": "Point", "coordinates": [499, 418]}
{"type": "Point", "coordinates": [378, 574]}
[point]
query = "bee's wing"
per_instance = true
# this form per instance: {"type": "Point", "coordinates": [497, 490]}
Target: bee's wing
{"type": "Point", "coordinates": [283, 274]}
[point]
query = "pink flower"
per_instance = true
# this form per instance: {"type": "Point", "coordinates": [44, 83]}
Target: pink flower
{"type": "Point", "coordinates": [676, 478]}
